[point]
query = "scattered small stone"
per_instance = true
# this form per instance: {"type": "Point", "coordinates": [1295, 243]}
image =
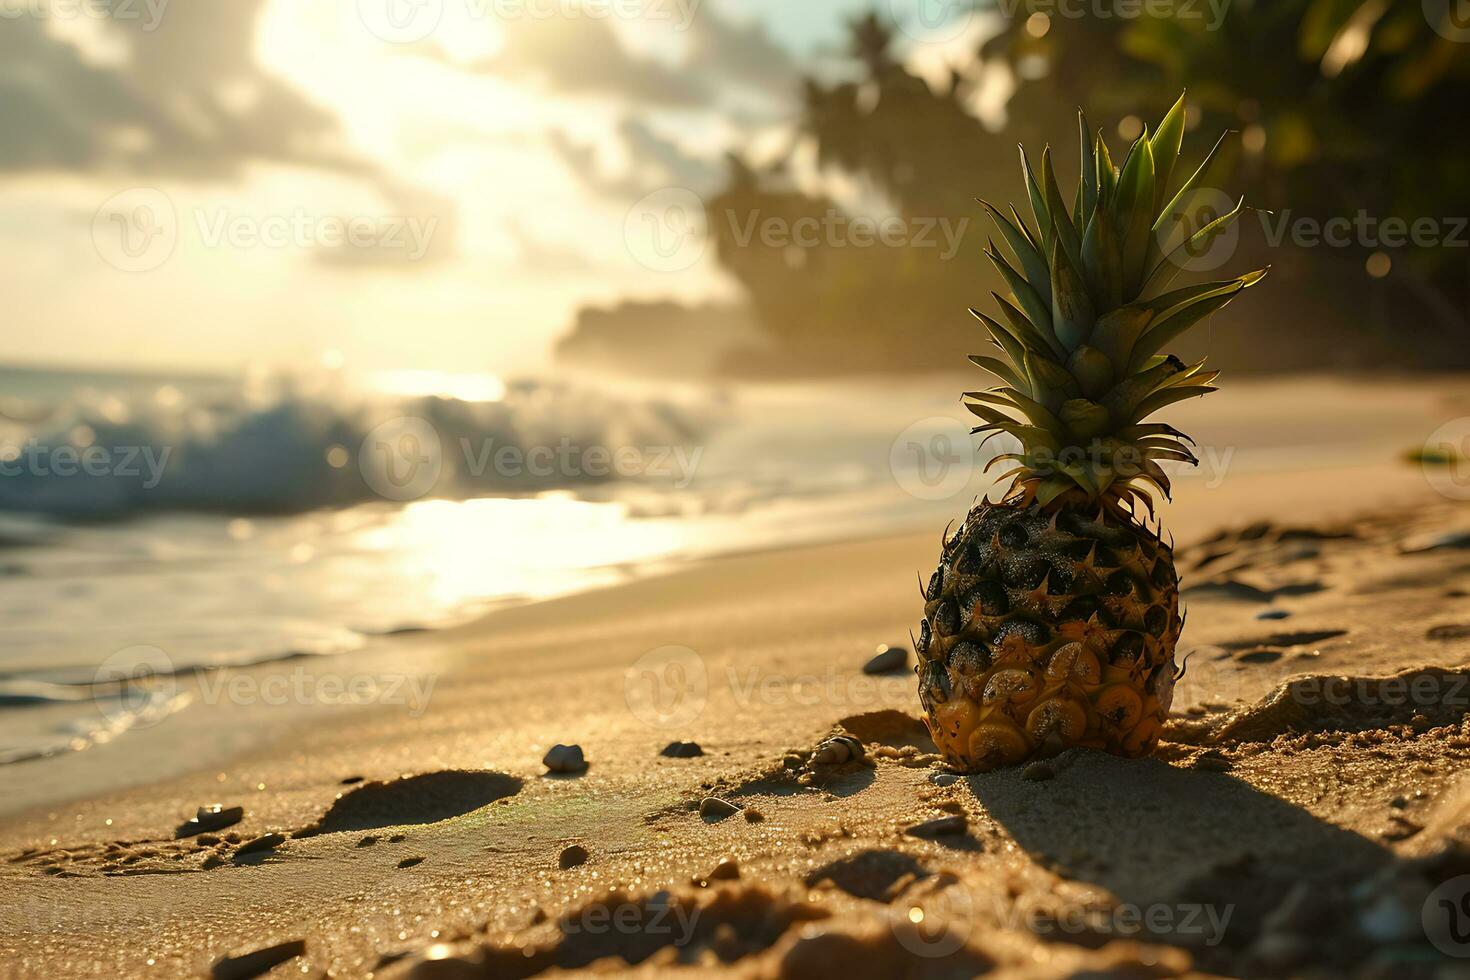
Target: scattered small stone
{"type": "Point", "coordinates": [726, 870]}
{"type": "Point", "coordinates": [682, 750]}
{"type": "Point", "coordinates": [887, 660]}
{"type": "Point", "coordinates": [939, 827]}
{"type": "Point", "coordinates": [1037, 772]}
{"type": "Point", "coordinates": [203, 840]}
{"type": "Point", "coordinates": [397, 838]}
{"type": "Point", "coordinates": [1213, 762]}
{"type": "Point", "coordinates": [1453, 631]}
{"type": "Point", "coordinates": [212, 861]}
{"type": "Point", "coordinates": [352, 780]}
{"type": "Point", "coordinates": [752, 815]}
{"type": "Point", "coordinates": [409, 862]}
{"type": "Point", "coordinates": [572, 856]}
{"type": "Point", "coordinates": [1273, 614]}
{"type": "Point", "coordinates": [1437, 542]}
{"type": "Point", "coordinates": [837, 750]}
{"type": "Point", "coordinates": [565, 759]}
{"type": "Point", "coordinates": [367, 841]}
{"type": "Point", "coordinates": [253, 964]}
{"type": "Point", "coordinates": [1398, 802]}
{"type": "Point", "coordinates": [216, 816]}
{"type": "Point", "coordinates": [267, 842]}
{"type": "Point", "coordinates": [712, 808]}
{"type": "Point", "coordinates": [943, 778]}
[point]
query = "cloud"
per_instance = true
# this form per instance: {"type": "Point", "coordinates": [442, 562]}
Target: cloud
{"type": "Point", "coordinates": [654, 162]}
{"type": "Point", "coordinates": [583, 56]}
{"type": "Point", "coordinates": [186, 97]}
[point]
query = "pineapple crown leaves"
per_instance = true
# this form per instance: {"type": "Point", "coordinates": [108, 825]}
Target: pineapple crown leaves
{"type": "Point", "coordinates": [1090, 311]}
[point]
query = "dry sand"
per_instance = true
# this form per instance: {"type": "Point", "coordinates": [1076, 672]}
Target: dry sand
{"type": "Point", "coordinates": [1288, 825]}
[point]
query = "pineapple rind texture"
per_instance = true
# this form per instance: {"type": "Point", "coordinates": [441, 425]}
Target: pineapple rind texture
{"type": "Point", "coordinates": [1047, 628]}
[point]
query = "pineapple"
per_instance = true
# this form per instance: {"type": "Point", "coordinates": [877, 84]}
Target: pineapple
{"type": "Point", "coordinates": [1052, 618]}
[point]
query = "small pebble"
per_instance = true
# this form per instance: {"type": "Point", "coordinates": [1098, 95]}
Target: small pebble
{"type": "Point", "coordinates": [752, 815]}
{"type": "Point", "coordinates": [213, 817]}
{"type": "Point", "coordinates": [565, 759]}
{"type": "Point", "coordinates": [887, 660]}
{"type": "Point", "coordinates": [267, 842]}
{"type": "Point", "coordinates": [943, 778]}
{"type": "Point", "coordinates": [682, 750]}
{"type": "Point", "coordinates": [1273, 614]}
{"type": "Point", "coordinates": [367, 841]}
{"type": "Point", "coordinates": [572, 856]}
{"type": "Point", "coordinates": [726, 870]}
{"type": "Point", "coordinates": [255, 963]}
{"type": "Point", "coordinates": [397, 838]}
{"type": "Point", "coordinates": [938, 827]}
{"type": "Point", "coordinates": [1213, 762]}
{"type": "Point", "coordinates": [1037, 772]}
{"type": "Point", "coordinates": [410, 862]}
{"type": "Point", "coordinates": [713, 808]}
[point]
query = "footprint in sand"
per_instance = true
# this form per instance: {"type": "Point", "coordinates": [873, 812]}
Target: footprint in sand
{"type": "Point", "coordinates": [427, 798]}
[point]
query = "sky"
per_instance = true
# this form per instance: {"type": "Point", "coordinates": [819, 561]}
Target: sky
{"type": "Point", "coordinates": [438, 184]}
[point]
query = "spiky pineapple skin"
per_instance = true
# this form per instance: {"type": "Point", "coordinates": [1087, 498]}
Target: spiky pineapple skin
{"type": "Point", "coordinates": [1047, 628]}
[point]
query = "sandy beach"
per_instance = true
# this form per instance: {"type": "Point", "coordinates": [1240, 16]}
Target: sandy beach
{"type": "Point", "coordinates": [1296, 818]}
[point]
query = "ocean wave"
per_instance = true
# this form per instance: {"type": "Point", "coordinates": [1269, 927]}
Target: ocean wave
{"type": "Point", "coordinates": [277, 449]}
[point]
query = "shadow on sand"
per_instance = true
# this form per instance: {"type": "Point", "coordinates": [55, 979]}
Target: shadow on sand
{"type": "Point", "coordinates": [1158, 836]}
